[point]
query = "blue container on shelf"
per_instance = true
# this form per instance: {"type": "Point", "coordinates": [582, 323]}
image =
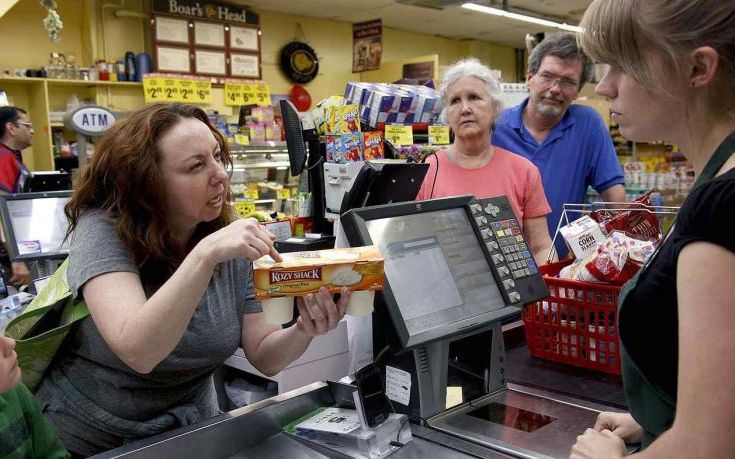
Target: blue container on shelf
{"type": "Point", "coordinates": [143, 64]}
{"type": "Point", "coordinates": [130, 67]}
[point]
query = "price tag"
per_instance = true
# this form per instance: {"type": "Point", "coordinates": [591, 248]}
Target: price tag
{"type": "Point", "coordinates": [438, 135]}
{"type": "Point", "coordinates": [252, 194]}
{"type": "Point", "coordinates": [171, 90]}
{"type": "Point", "coordinates": [244, 208]}
{"type": "Point", "coordinates": [202, 92]}
{"type": "Point", "coordinates": [186, 91]}
{"type": "Point", "coordinates": [283, 193]}
{"type": "Point", "coordinates": [263, 94]}
{"type": "Point", "coordinates": [153, 89]}
{"type": "Point", "coordinates": [242, 139]}
{"type": "Point", "coordinates": [399, 135]}
{"type": "Point", "coordinates": [249, 94]}
{"type": "Point", "coordinates": [233, 93]}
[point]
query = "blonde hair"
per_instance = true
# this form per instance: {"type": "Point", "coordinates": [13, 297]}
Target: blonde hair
{"type": "Point", "coordinates": [628, 33]}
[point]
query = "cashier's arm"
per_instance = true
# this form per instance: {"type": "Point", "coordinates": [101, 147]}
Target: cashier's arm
{"type": "Point", "coordinates": [705, 413]}
{"type": "Point", "coordinates": [537, 234]}
{"type": "Point", "coordinates": [269, 348]}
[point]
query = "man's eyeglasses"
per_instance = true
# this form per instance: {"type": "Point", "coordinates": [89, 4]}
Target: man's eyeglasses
{"type": "Point", "coordinates": [25, 123]}
{"type": "Point", "coordinates": [565, 84]}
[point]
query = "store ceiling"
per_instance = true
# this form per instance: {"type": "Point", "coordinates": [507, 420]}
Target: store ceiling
{"type": "Point", "coordinates": [445, 18]}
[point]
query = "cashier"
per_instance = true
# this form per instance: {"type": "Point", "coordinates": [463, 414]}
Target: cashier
{"type": "Point", "coordinates": [164, 266]}
{"type": "Point", "coordinates": [472, 165]}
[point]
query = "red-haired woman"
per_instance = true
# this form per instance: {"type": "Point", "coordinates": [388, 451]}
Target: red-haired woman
{"type": "Point", "coordinates": [164, 266]}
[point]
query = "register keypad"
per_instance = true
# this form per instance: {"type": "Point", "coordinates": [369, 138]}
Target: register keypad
{"type": "Point", "coordinates": [508, 250]}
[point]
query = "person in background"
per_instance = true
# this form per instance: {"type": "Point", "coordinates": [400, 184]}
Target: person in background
{"type": "Point", "coordinates": [671, 68]}
{"type": "Point", "coordinates": [16, 134]}
{"type": "Point", "coordinates": [570, 144]}
{"type": "Point", "coordinates": [164, 265]}
{"type": "Point", "coordinates": [23, 430]}
{"type": "Point", "coordinates": [471, 165]}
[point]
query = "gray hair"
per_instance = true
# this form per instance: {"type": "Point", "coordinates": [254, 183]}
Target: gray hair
{"type": "Point", "coordinates": [471, 68]}
{"type": "Point", "coordinates": [563, 46]}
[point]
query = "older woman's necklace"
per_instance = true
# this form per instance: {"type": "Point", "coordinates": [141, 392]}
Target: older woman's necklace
{"type": "Point", "coordinates": [471, 162]}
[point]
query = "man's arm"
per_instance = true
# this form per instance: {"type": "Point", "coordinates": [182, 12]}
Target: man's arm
{"type": "Point", "coordinates": [615, 193]}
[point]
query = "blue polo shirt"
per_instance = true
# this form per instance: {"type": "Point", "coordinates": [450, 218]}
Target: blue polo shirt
{"type": "Point", "coordinates": [577, 153]}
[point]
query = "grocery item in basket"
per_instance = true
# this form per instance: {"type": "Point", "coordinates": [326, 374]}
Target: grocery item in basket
{"type": "Point", "coordinates": [582, 236]}
{"type": "Point", "coordinates": [634, 222]}
{"type": "Point", "coordinates": [616, 261]}
{"type": "Point", "coordinates": [358, 268]}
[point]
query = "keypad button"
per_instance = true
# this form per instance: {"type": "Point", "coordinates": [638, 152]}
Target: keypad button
{"type": "Point", "coordinates": [514, 297]}
{"type": "Point", "coordinates": [532, 269]}
{"type": "Point", "coordinates": [476, 208]}
{"type": "Point", "coordinates": [500, 233]}
{"type": "Point", "coordinates": [526, 254]}
{"type": "Point", "coordinates": [486, 233]}
{"type": "Point", "coordinates": [516, 231]}
{"type": "Point", "coordinates": [509, 284]}
{"type": "Point", "coordinates": [513, 222]}
{"type": "Point", "coordinates": [527, 271]}
{"type": "Point", "coordinates": [519, 238]}
{"type": "Point", "coordinates": [503, 271]}
{"type": "Point", "coordinates": [496, 225]}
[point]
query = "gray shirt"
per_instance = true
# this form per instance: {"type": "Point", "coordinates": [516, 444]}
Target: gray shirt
{"type": "Point", "coordinates": [104, 388]}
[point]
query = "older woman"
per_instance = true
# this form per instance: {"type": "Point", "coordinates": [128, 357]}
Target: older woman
{"type": "Point", "coordinates": [670, 77]}
{"type": "Point", "coordinates": [471, 165]}
{"type": "Point", "coordinates": [163, 264]}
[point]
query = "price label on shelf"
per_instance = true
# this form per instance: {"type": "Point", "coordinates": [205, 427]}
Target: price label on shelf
{"type": "Point", "coordinates": [153, 89]}
{"type": "Point", "coordinates": [242, 139]}
{"type": "Point", "coordinates": [283, 193]}
{"type": "Point", "coordinates": [171, 91]}
{"type": "Point", "coordinates": [244, 208]}
{"type": "Point", "coordinates": [233, 94]}
{"type": "Point", "coordinates": [252, 194]}
{"type": "Point", "coordinates": [263, 94]}
{"type": "Point", "coordinates": [249, 93]}
{"type": "Point", "coordinates": [202, 92]}
{"type": "Point", "coordinates": [186, 91]}
{"type": "Point", "coordinates": [399, 135]}
{"type": "Point", "coordinates": [438, 135]}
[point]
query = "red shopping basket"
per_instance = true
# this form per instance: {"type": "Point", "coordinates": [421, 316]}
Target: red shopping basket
{"type": "Point", "coordinates": [576, 324]}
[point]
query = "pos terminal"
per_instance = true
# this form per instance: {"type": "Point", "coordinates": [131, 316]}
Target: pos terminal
{"type": "Point", "coordinates": [455, 268]}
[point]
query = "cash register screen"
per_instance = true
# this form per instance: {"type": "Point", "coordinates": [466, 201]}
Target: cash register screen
{"type": "Point", "coordinates": [437, 271]}
{"type": "Point", "coordinates": [35, 224]}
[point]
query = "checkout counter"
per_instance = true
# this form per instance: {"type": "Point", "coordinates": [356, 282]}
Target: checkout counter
{"type": "Point", "coordinates": [455, 269]}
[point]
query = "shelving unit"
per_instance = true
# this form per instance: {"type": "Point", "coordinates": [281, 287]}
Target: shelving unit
{"type": "Point", "coordinates": [41, 96]}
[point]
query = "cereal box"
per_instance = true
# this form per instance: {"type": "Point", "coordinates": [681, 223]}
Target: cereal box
{"type": "Point", "coordinates": [358, 268]}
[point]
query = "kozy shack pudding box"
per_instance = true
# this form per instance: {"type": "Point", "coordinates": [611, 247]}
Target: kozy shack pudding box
{"type": "Point", "coordinates": [358, 268]}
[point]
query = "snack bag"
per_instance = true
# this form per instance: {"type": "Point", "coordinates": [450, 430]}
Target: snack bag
{"type": "Point", "coordinates": [633, 222]}
{"type": "Point", "coordinates": [346, 119]}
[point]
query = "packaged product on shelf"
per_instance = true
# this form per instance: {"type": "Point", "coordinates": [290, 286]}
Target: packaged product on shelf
{"type": "Point", "coordinates": [348, 147]}
{"type": "Point", "coordinates": [264, 114]}
{"type": "Point", "coordinates": [257, 133]}
{"type": "Point", "coordinates": [331, 147]}
{"type": "Point", "coordinates": [345, 119]}
{"type": "Point", "coordinates": [358, 268]}
{"type": "Point", "coordinates": [323, 112]}
{"type": "Point", "coordinates": [272, 131]}
{"type": "Point", "coordinates": [372, 145]}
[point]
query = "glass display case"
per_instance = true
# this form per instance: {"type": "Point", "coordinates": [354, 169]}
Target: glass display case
{"type": "Point", "coordinates": [261, 176]}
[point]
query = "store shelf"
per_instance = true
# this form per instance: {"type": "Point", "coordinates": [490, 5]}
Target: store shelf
{"type": "Point", "coordinates": [62, 82]}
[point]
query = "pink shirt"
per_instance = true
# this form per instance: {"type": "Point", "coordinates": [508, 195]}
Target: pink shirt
{"type": "Point", "coordinates": [506, 174]}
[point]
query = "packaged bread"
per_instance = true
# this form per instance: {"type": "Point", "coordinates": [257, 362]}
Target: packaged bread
{"type": "Point", "coordinates": [300, 273]}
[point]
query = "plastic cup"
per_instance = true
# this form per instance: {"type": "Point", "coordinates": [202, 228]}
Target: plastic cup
{"type": "Point", "coordinates": [278, 310]}
{"type": "Point", "coordinates": [361, 303]}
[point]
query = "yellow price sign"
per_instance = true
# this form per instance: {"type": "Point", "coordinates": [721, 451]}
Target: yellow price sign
{"type": "Point", "coordinates": [244, 208]}
{"type": "Point", "coordinates": [263, 94]}
{"type": "Point", "coordinates": [242, 139]}
{"type": "Point", "coordinates": [202, 92]}
{"type": "Point", "coordinates": [153, 89]}
{"type": "Point", "coordinates": [438, 135]}
{"type": "Point", "coordinates": [249, 93]}
{"type": "Point", "coordinates": [252, 194]}
{"type": "Point", "coordinates": [233, 93]}
{"type": "Point", "coordinates": [283, 193]}
{"type": "Point", "coordinates": [171, 89]}
{"type": "Point", "coordinates": [186, 91]}
{"type": "Point", "coordinates": [399, 135]}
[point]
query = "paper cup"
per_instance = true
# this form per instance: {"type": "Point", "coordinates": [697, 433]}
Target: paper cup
{"type": "Point", "coordinates": [278, 310]}
{"type": "Point", "coordinates": [361, 303]}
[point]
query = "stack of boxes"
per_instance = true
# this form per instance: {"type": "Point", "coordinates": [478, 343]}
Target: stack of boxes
{"type": "Point", "coordinates": [346, 142]}
{"type": "Point", "coordinates": [262, 126]}
{"type": "Point", "coordinates": [382, 103]}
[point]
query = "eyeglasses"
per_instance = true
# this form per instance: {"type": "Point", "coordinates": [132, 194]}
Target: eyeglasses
{"type": "Point", "coordinates": [25, 123]}
{"type": "Point", "coordinates": [565, 84]}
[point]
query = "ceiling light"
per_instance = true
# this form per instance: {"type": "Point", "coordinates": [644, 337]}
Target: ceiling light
{"type": "Point", "coordinates": [520, 17]}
